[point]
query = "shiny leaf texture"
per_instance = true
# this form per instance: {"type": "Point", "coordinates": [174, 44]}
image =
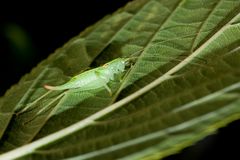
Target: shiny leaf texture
{"type": "Point", "coordinates": [184, 85]}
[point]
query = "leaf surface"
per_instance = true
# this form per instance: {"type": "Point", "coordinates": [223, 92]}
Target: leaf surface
{"type": "Point", "coordinates": [183, 86]}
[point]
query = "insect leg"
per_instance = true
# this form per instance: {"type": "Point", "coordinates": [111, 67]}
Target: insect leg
{"type": "Point", "coordinates": [25, 109]}
{"type": "Point", "coordinates": [103, 80]}
{"type": "Point", "coordinates": [108, 89]}
{"type": "Point", "coordinates": [45, 108]}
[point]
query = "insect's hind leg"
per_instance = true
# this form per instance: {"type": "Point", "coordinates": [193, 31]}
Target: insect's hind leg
{"type": "Point", "coordinates": [45, 108]}
{"type": "Point", "coordinates": [29, 106]}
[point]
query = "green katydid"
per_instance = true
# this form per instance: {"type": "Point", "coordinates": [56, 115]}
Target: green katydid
{"type": "Point", "coordinates": [95, 78]}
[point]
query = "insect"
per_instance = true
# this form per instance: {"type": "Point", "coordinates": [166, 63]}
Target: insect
{"type": "Point", "coordinates": [95, 78]}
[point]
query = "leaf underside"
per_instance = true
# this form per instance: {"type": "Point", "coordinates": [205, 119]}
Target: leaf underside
{"type": "Point", "coordinates": [195, 43]}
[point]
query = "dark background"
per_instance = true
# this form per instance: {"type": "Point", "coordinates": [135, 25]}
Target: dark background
{"type": "Point", "coordinates": [30, 32]}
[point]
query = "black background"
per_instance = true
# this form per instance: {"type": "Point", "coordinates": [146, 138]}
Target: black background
{"type": "Point", "coordinates": [47, 27]}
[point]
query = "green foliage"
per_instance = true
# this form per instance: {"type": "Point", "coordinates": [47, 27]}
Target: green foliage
{"type": "Point", "coordinates": [183, 87]}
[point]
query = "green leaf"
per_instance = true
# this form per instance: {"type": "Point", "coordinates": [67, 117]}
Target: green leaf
{"type": "Point", "coordinates": [184, 85]}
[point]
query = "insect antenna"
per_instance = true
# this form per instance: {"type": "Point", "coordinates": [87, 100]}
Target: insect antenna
{"type": "Point", "coordinates": [200, 61]}
{"type": "Point", "coordinates": [136, 54]}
